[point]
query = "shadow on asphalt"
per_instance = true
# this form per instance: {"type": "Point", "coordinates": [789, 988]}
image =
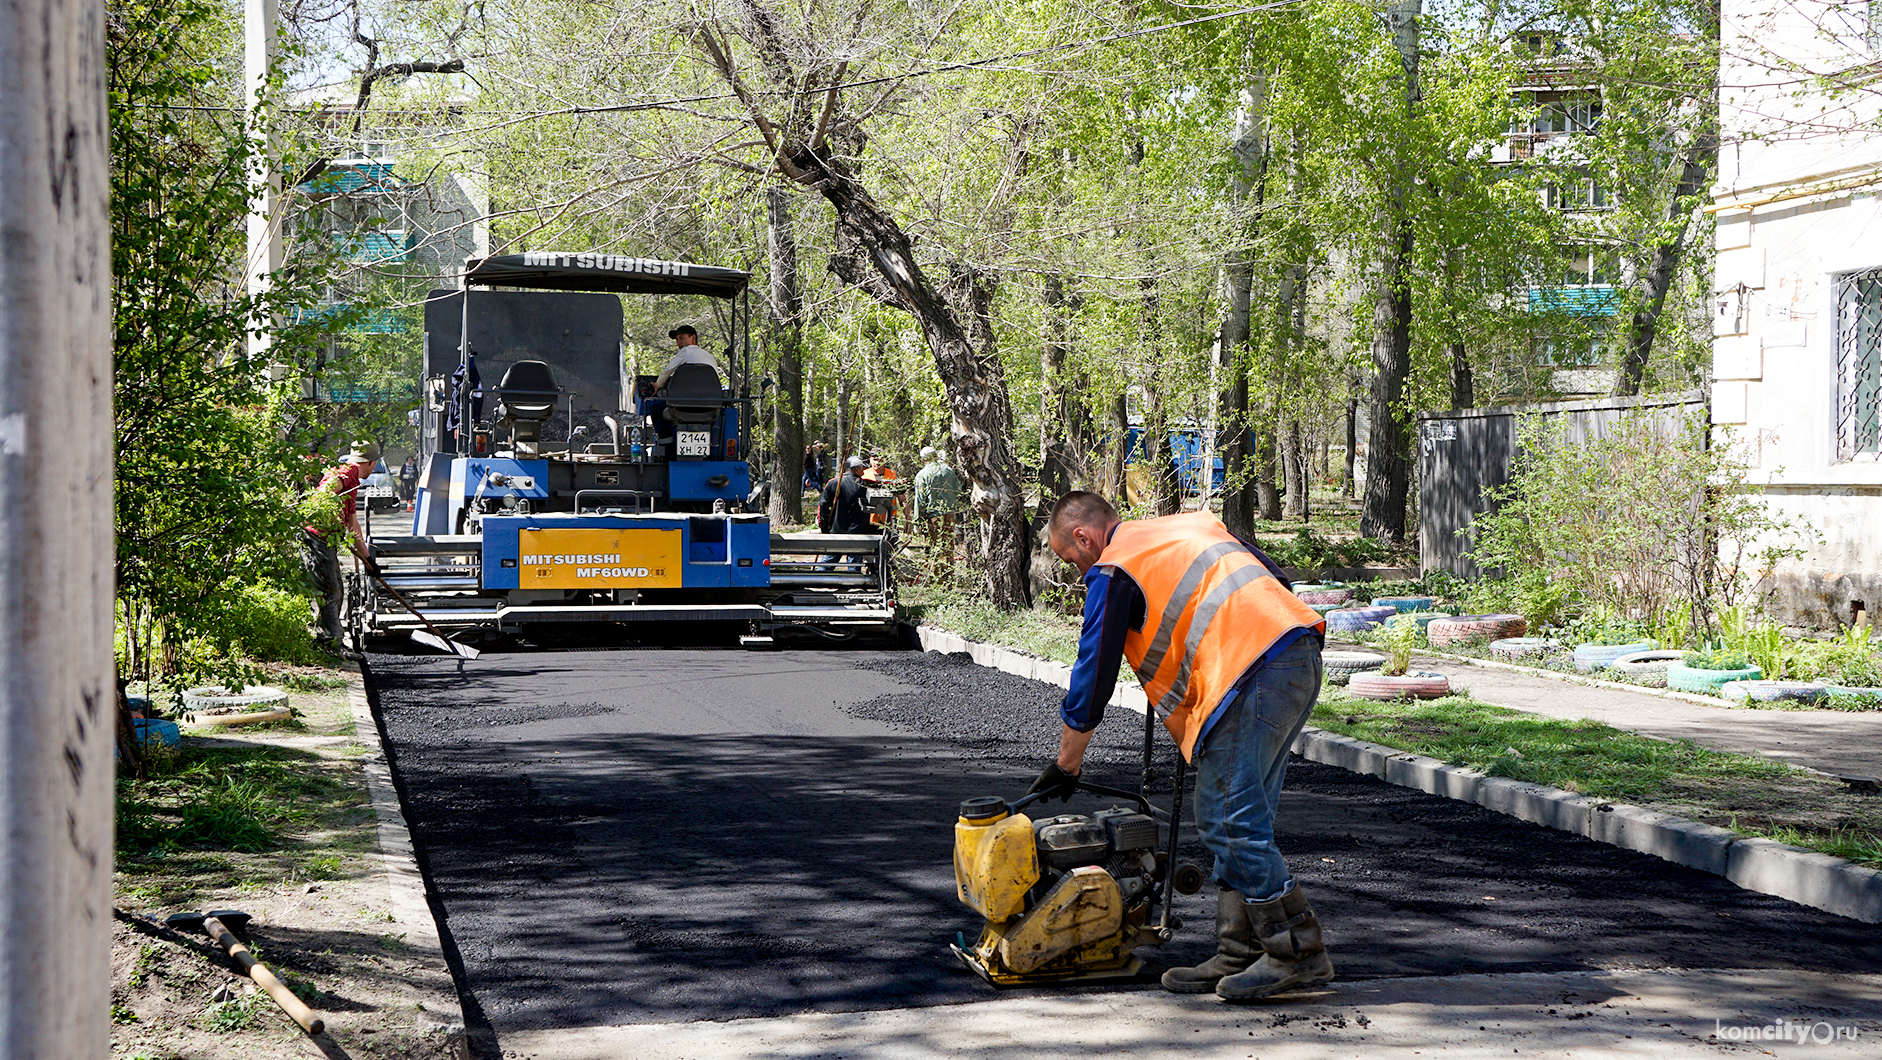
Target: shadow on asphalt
{"type": "Point", "coordinates": [588, 871]}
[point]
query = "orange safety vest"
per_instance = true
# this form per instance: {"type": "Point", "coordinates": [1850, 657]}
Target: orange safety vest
{"type": "Point", "coordinates": [1211, 610]}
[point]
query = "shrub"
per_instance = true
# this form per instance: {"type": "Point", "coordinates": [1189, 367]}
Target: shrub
{"type": "Point", "coordinates": [1715, 659]}
{"type": "Point", "coordinates": [1644, 520]}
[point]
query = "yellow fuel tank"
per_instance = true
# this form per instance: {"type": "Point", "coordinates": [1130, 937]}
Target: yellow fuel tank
{"type": "Point", "coordinates": [995, 860]}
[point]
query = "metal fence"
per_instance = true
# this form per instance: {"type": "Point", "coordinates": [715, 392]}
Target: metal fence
{"type": "Point", "coordinates": [1464, 454]}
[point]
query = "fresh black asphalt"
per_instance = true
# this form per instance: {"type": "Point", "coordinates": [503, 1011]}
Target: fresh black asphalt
{"type": "Point", "coordinates": [640, 836]}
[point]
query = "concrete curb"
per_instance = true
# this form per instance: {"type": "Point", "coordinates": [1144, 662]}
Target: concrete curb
{"type": "Point", "coordinates": [405, 884]}
{"type": "Point", "coordinates": [1820, 881]}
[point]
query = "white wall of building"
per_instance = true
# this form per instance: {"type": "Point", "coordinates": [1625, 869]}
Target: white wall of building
{"type": "Point", "coordinates": [1799, 206]}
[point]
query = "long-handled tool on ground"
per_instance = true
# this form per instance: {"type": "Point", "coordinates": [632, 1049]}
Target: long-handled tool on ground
{"type": "Point", "coordinates": [215, 924]}
{"type": "Point", "coordinates": [435, 638]}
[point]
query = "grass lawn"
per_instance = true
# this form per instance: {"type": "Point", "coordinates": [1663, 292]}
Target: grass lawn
{"type": "Point", "coordinates": [1750, 795]}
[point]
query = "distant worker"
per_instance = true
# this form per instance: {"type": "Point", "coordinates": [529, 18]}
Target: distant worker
{"type": "Point", "coordinates": [937, 501]}
{"type": "Point", "coordinates": [881, 476]}
{"type": "Point", "coordinates": [408, 478]}
{"type": "Point", "coordinates": [1234, 689]}
{"type": "Point", "coordinates": [845, 505]}
{"type": "Point", "coordinates": [320, 552]}
{"type": "Point", "coordinates": [813, 466]}
{"type": "Point", "coordinates": [688, 353]}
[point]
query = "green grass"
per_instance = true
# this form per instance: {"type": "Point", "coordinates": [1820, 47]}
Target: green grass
{"type": "Point", "coordinates": [1582, 756]}
{"type": "Point", "coordinates": [235, 800]}
{"type": "Point", "coordinates": [1751, 795]}
{"type": "Point", "coordinates": [1047, 633]}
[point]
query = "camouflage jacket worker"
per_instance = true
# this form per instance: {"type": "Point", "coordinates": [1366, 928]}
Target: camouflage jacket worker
{"type": "Point", "coordinates": [938, 490]}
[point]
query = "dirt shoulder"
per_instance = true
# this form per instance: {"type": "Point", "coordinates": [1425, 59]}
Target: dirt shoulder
{"type": "Point", "coordinates": [276, 821]}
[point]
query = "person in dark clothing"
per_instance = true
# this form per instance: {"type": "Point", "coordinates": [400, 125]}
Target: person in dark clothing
{"type": "Point", "coordinates": [845, 505]}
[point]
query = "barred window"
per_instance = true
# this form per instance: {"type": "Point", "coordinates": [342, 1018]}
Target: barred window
{"type": "Point", "coordinates": [1859, 365]}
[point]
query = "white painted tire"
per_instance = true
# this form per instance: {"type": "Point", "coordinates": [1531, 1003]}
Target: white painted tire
{"type": "Point", "coordinates": [217, 698]}
{"type": "Point", "coordinates": [1338, 667]}
{"type": "Point", "coordinates": [1646, 667]}
{"type": "Point", "coordinates": [1592, 657]}
{"type": "Point", "coordinates": [1773, 691]}
{"type": "Point", "coordinates": [1415, 684]}
{"type": "Point", "coordinates": [1523, 647]}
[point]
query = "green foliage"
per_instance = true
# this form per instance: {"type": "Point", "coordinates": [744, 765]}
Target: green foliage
{"type": "Point", "coordinates": [226, 1017]}
{"type": "Point", "coordinates": [206, 478]}
{"type": "Point", "coordinates": [1401, 636]}
{"type": "Point", "coordinates": [1716, 659]}
{"type": "Point", "coordinates": [1600, 626]}
{"type": "Point", "coordinates": [1633, 522]}
{"type": "Point", "coordinates": [1308, 551]}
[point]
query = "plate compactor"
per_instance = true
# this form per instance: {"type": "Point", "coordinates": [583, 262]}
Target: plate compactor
{"type": "Point", "coordinates": [1070, 897]}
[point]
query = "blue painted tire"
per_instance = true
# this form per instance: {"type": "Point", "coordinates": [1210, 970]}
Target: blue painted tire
{"type": "Point", "coordinates": [1404, 603]}
{"type": "Point", "coordinates": [1357, 618]}
{"type": "Point", "coordinates": [1683, 678]}
{"type": "Point", "coordinates": [1591, 657]}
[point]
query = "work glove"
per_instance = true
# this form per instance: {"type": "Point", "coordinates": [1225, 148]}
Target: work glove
{"type": "Point", "coordinates": [1056, 783]}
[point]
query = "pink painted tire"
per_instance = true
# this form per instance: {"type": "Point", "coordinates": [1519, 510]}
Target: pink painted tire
{"type": "Point", "coordinates": [1324, 596]}
{"type": "Point", "coordinates": [1445, 631]}
{"type": "Point", "coordinates": [1414, 684]}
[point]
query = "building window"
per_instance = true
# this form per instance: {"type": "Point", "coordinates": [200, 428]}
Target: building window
{"type": "Point", "coordinates": [1563, 352]}
{"type": "Point", "coordinates": [1576, 196]}
{"type": "Point", "coordinates": [1859, 365]}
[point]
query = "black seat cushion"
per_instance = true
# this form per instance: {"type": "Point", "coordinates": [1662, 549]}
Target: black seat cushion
{"type": "Point", "coordinates": [527, 392]}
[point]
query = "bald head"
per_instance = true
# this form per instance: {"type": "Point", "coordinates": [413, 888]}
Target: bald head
{"type": "Point", "coordinates": [1080, 527]}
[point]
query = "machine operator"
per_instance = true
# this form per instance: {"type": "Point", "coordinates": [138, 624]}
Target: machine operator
{"type": "Point", "coordinates": [1235, 690]}
{"type": "Point", "coordinates": [689, 353]}
{"type": "Point", "coordinates": [320, 553]}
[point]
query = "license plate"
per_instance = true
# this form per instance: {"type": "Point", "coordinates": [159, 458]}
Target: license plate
{"type": "Point", "coordinates": [694, 443]}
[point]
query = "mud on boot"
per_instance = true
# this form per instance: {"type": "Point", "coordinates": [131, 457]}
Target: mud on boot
{"type": "Point", "coordinates": [1235, 948]}
{"type": "Point", "coordinates": [1293, 954]}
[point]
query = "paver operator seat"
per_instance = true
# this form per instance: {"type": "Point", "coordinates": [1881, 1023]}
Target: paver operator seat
{"type": "Point", "coordinates": [694, 398]}
{"type": "Point", "coordinates": [526, 398]}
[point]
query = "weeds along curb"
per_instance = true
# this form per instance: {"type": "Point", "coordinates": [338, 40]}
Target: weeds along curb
{"type": "Point", "coordinates": [404, 882]}
{"type": "Point", "coordinates": [1806, 877]}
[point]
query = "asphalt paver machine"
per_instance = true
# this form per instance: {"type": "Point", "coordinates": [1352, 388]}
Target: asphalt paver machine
{"type": "Point", "coordinates": [583, 494]}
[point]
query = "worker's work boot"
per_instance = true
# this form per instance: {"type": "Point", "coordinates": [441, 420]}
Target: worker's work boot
{"type": "Point", "coordinates": [1235, 948]}
{"type": "Point", "coordinates": [1293, 954]}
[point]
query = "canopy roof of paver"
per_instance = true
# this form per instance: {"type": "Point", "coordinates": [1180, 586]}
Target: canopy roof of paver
{"type": "Point", "coordinates": [593, 271]}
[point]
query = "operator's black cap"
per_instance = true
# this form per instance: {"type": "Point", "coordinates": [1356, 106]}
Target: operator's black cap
{"type": "Point", "coordinates": [683, 329]}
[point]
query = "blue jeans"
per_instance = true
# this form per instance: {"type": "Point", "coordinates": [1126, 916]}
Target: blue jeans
{"type": "Point", "coordinates": [1240, 765]}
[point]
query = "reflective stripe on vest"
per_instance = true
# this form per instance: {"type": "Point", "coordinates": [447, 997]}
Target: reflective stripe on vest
{"type": "Point", "coordinates": [1211, 600]}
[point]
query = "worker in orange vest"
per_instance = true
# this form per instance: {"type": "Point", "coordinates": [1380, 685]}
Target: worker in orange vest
{"type": "Point", "coordinates": [1230, 657]}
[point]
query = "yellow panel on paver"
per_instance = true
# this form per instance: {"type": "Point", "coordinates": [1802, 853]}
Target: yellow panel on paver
{"type": "Point", "coordinates": [598, 559]}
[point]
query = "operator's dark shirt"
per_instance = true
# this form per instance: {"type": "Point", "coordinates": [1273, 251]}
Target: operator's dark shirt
{"type": "Point", "coordinates": [1115, 606]}
{"type": "Point", "coordinates": [846, 498]}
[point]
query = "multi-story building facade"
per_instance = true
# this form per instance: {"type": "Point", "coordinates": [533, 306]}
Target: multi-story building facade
{"type": "Point", "coordinates": [1797, 313]}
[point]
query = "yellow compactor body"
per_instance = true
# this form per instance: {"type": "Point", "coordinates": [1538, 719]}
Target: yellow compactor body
{"type": "Point", "coordinates": [1049, 917]}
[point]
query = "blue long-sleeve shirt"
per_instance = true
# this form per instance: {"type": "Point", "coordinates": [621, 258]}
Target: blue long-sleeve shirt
{"type": "Point", "coordinates": [1114, 607]}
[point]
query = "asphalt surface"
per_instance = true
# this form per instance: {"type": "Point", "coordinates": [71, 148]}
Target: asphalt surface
{"type": "Point", "coordinates": [645, 836]}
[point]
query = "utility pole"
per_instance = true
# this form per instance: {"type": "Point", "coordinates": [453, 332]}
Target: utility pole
{"type": "Point", "coordinates": [264, 183]}
{"type": "Point", "coordinates": [58, 702]}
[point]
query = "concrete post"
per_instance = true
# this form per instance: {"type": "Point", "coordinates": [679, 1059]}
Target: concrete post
{"type": "Point", "coordinates": [264, 226]}
{"type": "Point", "coordinates": [57, 700]}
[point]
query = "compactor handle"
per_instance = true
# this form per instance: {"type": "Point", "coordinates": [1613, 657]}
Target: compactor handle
{"type": "Point", "coordinates": [1096, 789]}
